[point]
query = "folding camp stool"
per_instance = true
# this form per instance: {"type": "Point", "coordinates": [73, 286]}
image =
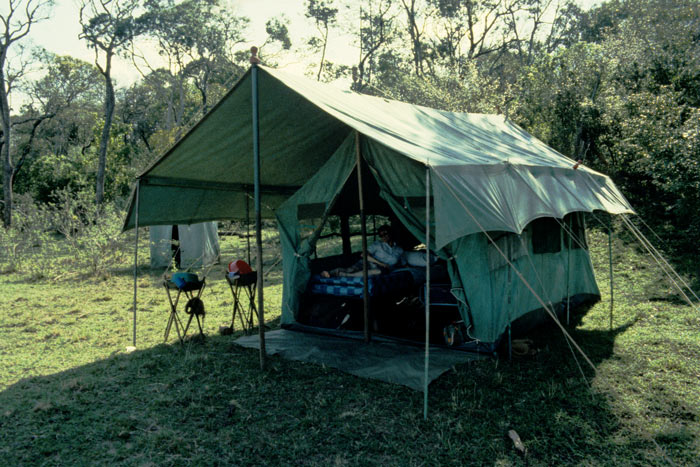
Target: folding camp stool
{"type": "Point", "coordinates": [190, 290]}
{"type": "Point", "coordinates": [243, 291]}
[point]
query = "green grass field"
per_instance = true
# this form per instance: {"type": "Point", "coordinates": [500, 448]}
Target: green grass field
{"type": "Point", "coordinates": [71, 395]}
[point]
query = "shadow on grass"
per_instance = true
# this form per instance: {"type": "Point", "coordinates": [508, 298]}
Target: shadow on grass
{"type": "Point", "coordinates": [207, 402]}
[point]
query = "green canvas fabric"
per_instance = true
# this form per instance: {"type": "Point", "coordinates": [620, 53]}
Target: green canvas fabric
{"type": "Point", "coordinates": [497, 296]}
{"type": "Point", "coordinates": [213, 163]}
{"type": "Point", "coordinates": [496, 170]}
{"type": "Point", "coordinates": [507, 197]}
{"type": "Point", "coordinates": [499, 172]}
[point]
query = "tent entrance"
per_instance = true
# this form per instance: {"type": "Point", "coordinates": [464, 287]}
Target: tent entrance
{"type": "Point", "coordinates": [396, 306]}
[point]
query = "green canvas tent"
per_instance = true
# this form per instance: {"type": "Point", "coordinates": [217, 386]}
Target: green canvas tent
{"type": "Point", "coordinates": [494, 193]}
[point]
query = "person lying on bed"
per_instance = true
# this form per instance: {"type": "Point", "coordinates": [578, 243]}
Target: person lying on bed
{"type": "Point", "coordinates": [382, 255]}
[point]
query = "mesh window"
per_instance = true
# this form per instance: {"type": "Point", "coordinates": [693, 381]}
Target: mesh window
{"type": "Point", "coordinates": [546, 236]}
{"type": "Point", "coordinates": [310, 210]}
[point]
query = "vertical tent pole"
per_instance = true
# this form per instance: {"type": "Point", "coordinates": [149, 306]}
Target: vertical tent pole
{"type": "Point", "coordinates": [611, 273]}
{"type": "Point", "coordinates": [254, 60]}
{"type": "Point", "coordinates": [363, 227]}
{"type": "Point", "coordinates": [568, 271]}
{"type": "Point", "coordinates": [247, 225]}
{"type": "Point", "coordinates": [427, 291]}
{"type": "Point", "coordinates": [509, 253]}
{"type": "Point", "coordinates": [136, 252]}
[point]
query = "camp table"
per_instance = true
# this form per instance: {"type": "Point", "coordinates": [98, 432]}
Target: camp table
{"type": "Point", "coordinates": [192, 288]}
{"type": "Point", "coordinates": [243, 290]}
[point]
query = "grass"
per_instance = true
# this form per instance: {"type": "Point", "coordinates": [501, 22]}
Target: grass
{"type": "Point", "coordinates": [71, 395]}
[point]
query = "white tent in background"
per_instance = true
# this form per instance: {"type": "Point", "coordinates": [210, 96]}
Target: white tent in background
{"type": "Point", "coordinates": [199, 245]}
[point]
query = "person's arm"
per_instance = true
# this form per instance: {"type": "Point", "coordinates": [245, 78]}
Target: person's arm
{"type": "Point", "coordinates": [372, 259]}
{"type": "Point", "coordinates": [374, 247]}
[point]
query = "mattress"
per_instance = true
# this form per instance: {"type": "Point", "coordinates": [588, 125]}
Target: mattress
{"type": "Point", "coordinates": [395, 283]}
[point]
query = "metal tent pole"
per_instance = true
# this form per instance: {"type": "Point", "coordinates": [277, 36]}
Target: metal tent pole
{"type": "Point", "coordinates": [254, 60]}
{"type": "Point", "coordinates": [427, 291]}
{"type": "Point", "coordinates": [363, 228]}
{"type": "Point", "coordinates": [509, 252]}
{"type": "Point", "coordinates": [136, 253]}
{"type": "Point", "coordinates": [612, 297]}
{"type": "Point", "coordinates": [247, 226]}
{"type": "Point", "coordinates": [568, 271]}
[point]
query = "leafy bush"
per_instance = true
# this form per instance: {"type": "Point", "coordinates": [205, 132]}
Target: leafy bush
{"type": "Point", "coordinates": [92, 233]}
{"type": "Point", "coordinates": [69, 238]}
{"type": "Point", "coordinates": [28, 246]}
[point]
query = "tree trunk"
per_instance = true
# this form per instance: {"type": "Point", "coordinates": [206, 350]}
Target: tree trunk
{"type": "Point", "coordinates": [104, 140]}
{"type": "Point", "coordinates": [7, 183]}
{"type": "Point", "coordinates": [323, 54]}
{"type": "Point", "coordinates": [8, 169]}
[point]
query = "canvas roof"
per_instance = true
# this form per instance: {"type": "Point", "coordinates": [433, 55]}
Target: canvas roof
{"type": "Point", "coordinates": [484, 164]}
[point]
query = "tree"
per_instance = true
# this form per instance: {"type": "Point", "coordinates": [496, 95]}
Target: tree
{"type": "Point", "coordinates": [109, 27]}
{"type": "Point", "coordinates": [197, 39]}
{"type": "Point", "coordinates": [377, 30]}
{"type": "Point", "coordinates": [324, 14]}
{"type": "Point", "coordinates": [60, 114]}
{"type": "Point", "coordinates": [17, 21]}
{"type": "Point", "coordinates": [623, 95]}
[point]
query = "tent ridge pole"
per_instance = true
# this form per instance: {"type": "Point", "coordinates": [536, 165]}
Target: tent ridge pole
{"type": "Point", "coordinates": [254, 60]}
{"type": "Point", "coordinates": [363, 227]}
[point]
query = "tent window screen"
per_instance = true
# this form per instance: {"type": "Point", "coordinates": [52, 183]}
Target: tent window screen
{"type": "Point", "coordinates": [575, 224]}
{"type": "Point", "coordinates": [310, 218]}
{"type": "Point", "coordinates": [546, 236]}
{"type": "Point", "coordinates": [310, 210]}
{"type": "Point", "coordinates": [329, 241]}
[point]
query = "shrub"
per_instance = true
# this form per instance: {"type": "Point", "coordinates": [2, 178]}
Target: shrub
{"type": "Point", "coordinates": [71, 237]}
{"type": "Point", "coordinates": [29, 245]}
{"type": "Point", "coordinates": [92, 233]}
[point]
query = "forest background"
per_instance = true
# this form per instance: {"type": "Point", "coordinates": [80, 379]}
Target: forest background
{"type": "Point", "coordinates": [616, 86]}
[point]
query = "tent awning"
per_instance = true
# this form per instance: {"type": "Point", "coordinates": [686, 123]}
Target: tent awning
{"type": "Point", "coordinates": [484, 163]}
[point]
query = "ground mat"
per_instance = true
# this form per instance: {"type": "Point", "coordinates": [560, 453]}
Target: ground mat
{"type": "Point", "coordinates": [386, 361]}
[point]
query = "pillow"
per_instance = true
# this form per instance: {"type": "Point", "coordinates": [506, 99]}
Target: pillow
{"type": "Point", "coordinates": [417, 258]}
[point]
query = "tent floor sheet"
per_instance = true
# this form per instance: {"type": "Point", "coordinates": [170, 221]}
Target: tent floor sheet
{"type": "Point", "coordinates": [385, 361]}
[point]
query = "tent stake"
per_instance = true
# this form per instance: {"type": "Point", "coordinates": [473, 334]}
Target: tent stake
{"type": "Point", "coordinates": [427, 291]}
{"type": "Point", "coordinates": [611, 273]}
{"type": "Point", "coordinates": [254, 60]}
{"type": "Point", "coordinates": [136, 253]}
{"type": "Point", "coordinates": [363, 227]}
